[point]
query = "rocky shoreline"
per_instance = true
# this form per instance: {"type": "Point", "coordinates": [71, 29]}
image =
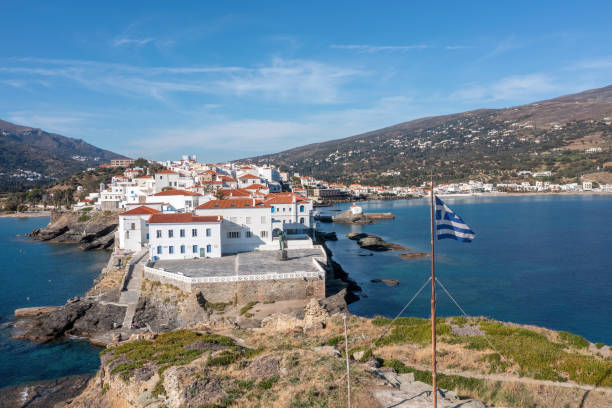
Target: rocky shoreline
{"type": "Point", "coordinates": [90, 230]}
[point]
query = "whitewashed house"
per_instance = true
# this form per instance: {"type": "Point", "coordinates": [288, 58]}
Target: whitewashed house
{"type": "Point", "coordinates": [181, 200]}
{"type": "Point", "coordinates": [133, 229]}
{"type": "Point", "coordinates": [184, 236]}
{"type": "Point", "coordinates": [247, 224]}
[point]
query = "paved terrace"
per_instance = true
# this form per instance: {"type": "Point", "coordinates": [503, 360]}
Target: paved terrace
{"type": "Point", "coordinates": [243, 264]}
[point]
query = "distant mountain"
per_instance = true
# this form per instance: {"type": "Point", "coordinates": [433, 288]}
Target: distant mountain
{"type": "Point", "coordinates": [484, 144]}
{"type": "Point", "coordinates": [31, 157]}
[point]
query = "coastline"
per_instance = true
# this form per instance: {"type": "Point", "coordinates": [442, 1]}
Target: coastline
{"type": "Point", "coordinates": [29, 214]}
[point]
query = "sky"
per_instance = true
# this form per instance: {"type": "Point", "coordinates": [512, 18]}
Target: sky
{"type": "Point", "coordinates": [229, 80]}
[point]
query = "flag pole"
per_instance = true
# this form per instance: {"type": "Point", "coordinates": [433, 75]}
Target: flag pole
{"type": "Point", "coordinates": [433, 301]}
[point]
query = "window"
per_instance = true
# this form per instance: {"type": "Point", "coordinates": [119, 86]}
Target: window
{"type": "Point", "coordinates": [194, 249]}
{"type": "Point", "coordinates": [247, 220]}
{"type": "Point", "coordinates": [248, 234]}
{"type": "Point", "coordinates": [301, 220]}
{"type": "Point", "coordinates": [263, 219]}
{"type": "Point", "coordinates": [284, 209]}
{"type": "Point", "coordinates": [272, 209]}
{"type": "Point", "coordinates": [170, 249]}
{"type": "Point", "coordinates": [263, 234]}
{"type": "Point", "coordinates": [159, 233]}
{"type": "Point", "coordinates": [233, 234]}
{"type": "Point", "coordinates": [133, 226]}
{"type": "Point", "coordinates": [194, 232]}
{"type": "Point", "coordinates": [159, 250]}
{"type": "Point", "coordinates": [209, 248]}
{"type": "Point", "coordinates": [301, 208]}
{"type": "Point", "coordinates": [182, 233]}
{"type": "Point", "coordinates": [182, 249]}
{"type": "Point", "coordinates": [208, 232]}
{"type": "Point", "coordinates": [170, 233]}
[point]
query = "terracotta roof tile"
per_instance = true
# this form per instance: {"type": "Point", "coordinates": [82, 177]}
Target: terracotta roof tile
{"type": "Point", "coordinates": [238, 203]}
{"type": "Point", "coordinates": [182, 218]}
{"type": "Point", "coordinates": [175, 193]}
{"type": "Point", "coordinates": [142, 210]}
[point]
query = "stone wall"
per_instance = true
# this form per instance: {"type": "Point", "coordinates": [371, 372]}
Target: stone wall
{"type": "Point", "coordinates": [263, 290]}
{"type": "Point", "coordinates": [249, 290]}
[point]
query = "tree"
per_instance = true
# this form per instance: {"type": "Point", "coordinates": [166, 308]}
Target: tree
{"type": "Point", "coordinates": [140, 162]}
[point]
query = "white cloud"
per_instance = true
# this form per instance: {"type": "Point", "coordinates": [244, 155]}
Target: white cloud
{"type": "Point", "coordinates": [592, 64]}
{"type": "Point", "coordinates": [303, 81]}
{"type": "Point", "coordinates": [229, 138]}
{"type": "Point", "coordinates": [365, 48]}
{"type": "Point", "coordinates": [125, 41]}
{"type": "Point", "coordinates": [523, 87]}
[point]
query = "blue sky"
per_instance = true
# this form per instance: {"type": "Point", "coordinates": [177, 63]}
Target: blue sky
{"type": "Point", "coordinates": [227, 80]}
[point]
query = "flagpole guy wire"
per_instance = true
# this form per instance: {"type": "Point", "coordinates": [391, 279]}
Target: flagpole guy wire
{"type": "Point", "coordinates": [403, 309]}
{"type": "Point", "coordinates": [466, 315]}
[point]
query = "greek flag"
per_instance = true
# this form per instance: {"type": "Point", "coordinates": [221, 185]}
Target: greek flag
{"type": "Point", "coordinates": [450, 225]}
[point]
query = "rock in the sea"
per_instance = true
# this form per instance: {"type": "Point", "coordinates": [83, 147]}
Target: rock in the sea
{"type": "Point", "coordinates": [43, 394]}
{"type": "Point", "coordinates": [414, 255]}
{"type": "Point", "coordinates": [388, 282]}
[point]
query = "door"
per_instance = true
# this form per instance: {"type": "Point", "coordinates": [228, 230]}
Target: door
{"type": "Point", "coordinates": [202, 254]}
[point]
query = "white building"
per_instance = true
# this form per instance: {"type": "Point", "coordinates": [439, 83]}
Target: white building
{"type": "Point", "coordinates": [133, 228]}
{"type": "Point", "coordinates": [247, 224]}
{"type": "Point", "coordinates": [181, 200]}
{"type": "Point", "coordinates": [184, 236]}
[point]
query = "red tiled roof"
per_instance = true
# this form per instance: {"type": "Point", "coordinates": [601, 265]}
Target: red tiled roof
{"type": "Point", "coordinates": [226, 178]}
{"type": "Point", "coordinates": [255, 187]}
{"type": "Point", "coordinates": [285, 200]}
{"type": "Point", "coordinates": [248, 176]}
{"type": "Point", "coordinates": [175, 193]}
{"type": "Point", "coordinates": [142, 210]}
{"type": "Point", "coordinates": [180, 218]}
{"type": "Point", "coordinates": [238, 203]}
{"type": "Point", "coordinates": [166, 172]}
{"type": "Point", "coordinates": [236, 192]}
{"type": "Point", "coordinates": [144, 177]}
{"type": "Point", "coordinates": [209, 172]}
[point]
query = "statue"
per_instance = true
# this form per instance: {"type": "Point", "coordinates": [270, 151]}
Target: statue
{"type": "Point", "coordinates": [282, 241]}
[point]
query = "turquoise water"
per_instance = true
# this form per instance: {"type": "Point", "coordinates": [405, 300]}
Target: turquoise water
{"type": "Point", "coordinates": [37, 274]}
{"type": "Point", "coordinates": [542, 260]}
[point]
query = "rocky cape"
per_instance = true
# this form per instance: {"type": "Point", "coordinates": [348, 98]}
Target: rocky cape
{"type": "Point", "coordinates": [91, 230]}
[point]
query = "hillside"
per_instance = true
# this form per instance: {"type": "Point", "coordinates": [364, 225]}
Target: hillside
{"type": "Point", "coordinates": [484, 144]}
{"type": "Point", "coordinates": [31, 157]}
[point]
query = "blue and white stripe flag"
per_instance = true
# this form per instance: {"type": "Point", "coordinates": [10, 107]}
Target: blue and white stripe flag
{"type": "Point", "coordinates": [450, 225]}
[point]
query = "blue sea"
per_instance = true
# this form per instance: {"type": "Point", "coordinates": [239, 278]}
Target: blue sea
{"type": "Point", "coordinates": [37, 274]}
{"type": "Point", "coordinates": [542, 260]}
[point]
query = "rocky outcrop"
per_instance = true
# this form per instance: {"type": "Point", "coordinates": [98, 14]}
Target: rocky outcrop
{"type": "Point", "coordinates": [388, 282]}
{"type": "Point", "coordinates": [347, 217]}
{"type": "Point", "coordinates": [373, 242]}
{"type": "Point", "coordinates": [79, 317]}
{"type": "Point", "coordinates": [44, 394]}
{"type": "Point", "coordinates": [93, 230]}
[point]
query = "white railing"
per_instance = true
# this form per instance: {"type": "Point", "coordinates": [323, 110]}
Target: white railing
{"type": "Point", "coordinates": [232, 278]}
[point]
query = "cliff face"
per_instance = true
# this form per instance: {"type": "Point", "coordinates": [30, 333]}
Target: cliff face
{"type": "Point", "coordinates": [93, 230]}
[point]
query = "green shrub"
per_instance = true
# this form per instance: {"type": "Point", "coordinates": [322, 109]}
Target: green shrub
{"type": "Point", "coordinates": [247, 307]}
{"type": "Point", "coordinates": [83, 218]}
{"type": "Point", "coordinates": [268, 383]}
{"type": "Point", "coordinates": [333, 341]}
{"type": "Point", "coordinates": [573, 340]}
{"type": "Point", "coordinates": [599, 345]}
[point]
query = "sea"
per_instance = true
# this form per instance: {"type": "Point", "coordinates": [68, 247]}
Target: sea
{"type": "Point", "coordinates": [34, 273]}
{"type": "Point", "coordinates": [543, 260]}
